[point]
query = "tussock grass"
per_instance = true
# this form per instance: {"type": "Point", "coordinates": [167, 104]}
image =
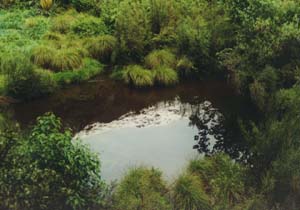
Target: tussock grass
{"type": "Point", "coordinates": [66, 59]}
{"type": "Point", "coordinates": [189, 194]}
{"type": "Point", "coordinates": [158, 58]}
{"type": "Point", "coordinates": [102, 47]}
{"type": "Point", "coordinates": [165, 76]}
{"type": "Point", "coordinates": [138, 76]}
{"type": "Point", "coordinates": [185, 67]}
{"type": "Point", "coordinates": [62, 23]}
{"type": "Point", "coordinates": [89, 69]}
{"type": "Point", "coordinates": [43, 56]}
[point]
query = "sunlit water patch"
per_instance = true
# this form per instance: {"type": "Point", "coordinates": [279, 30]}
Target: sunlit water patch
{"type": "Point", "coordinates": [162, 135]}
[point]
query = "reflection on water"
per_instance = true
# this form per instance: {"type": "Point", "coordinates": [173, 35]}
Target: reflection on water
{"type": "Point", "coordinates": [160, 135]}
{"type": "Point", "coordinates": [155, 127]}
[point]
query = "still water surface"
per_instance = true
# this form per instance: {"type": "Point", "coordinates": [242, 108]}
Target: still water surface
{"type": "Point", "coordinates": [129, 127]}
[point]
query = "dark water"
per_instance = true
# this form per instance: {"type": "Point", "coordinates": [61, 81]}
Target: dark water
{"type": "Point", "coordinates": [161, 127]}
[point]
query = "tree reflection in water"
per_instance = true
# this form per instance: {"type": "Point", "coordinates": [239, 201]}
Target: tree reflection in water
{"type": "Point", "coordinates": [216, 133]}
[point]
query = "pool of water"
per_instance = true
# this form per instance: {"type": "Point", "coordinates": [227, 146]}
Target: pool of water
{"type": "Point", "coordinates": [159, 127]}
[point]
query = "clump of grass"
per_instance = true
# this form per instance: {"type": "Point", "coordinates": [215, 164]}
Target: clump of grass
{"type": "Point", "coordinates": [137, 76]}
{"type": "Point", "coordinates": [66, 59]}
{"type": "Point", "coordinates": [158, 58]}
{"type": "Point", "coordinates": [89, 69]}
{"type": "Point", "coordinates": [189, 194]}
{"type": "Point", "coordinates": [184, 67]}
{"type": "Point", "coordinates": [43, 56]}
{"type": "Point", "coordinates": [142, 188]}
{"type": "Point", "coordinates": [35, 27]}
{"type": "Point", "coordinates": [62, 23]}
{"type": "Point", "coordinates": [53, 36]}
{"type": "Point", "coordinates": [102, 47]}
{"type": "Point", "coordinates": [88, 25]}
{"type": "Point", "coordinates": [165, 76]}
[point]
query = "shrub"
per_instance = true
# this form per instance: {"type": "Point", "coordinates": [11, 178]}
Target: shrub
{"type": "Point", "coordinates": [165, 76]}
{"type": "Point", "coordinates": [159, 58]}
{"type": "Point", "coordinates": [66, 59]}
{"type": "Point", "coordinates": [46, 169]}
{"type": "Point", "coordinates": [189, 194]}
{"type": "Point", "coordinates": [141, 188]}
{"type": "Point", "coordinates": [87, 25]}
{"type": "Point", "coordinates": [43, 56]}
{"type": "Point", "coordinates": [102, 48]}
{"type": "Point", "coordinates": [137, 76]}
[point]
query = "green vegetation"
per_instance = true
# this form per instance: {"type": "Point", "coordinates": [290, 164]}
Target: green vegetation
{"type": "Point", "coordinates": [138, 76]}
{"type": "Point", "coordinates": [253, 44]}
{"type": "Point", "coordinates": [45, 169]}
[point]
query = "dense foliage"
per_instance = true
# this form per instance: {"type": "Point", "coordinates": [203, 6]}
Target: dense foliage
{"type": "Point", "coordinates": [45, 169]}
{"type": "Point", "coordinates": [254, 44]}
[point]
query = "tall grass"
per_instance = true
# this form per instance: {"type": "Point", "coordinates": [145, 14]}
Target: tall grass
{"type": "Point", "coordinates": [142, 188]}
{"type": "Point", "coordinates": [89, 69]}
{"type": "Point", "coordinates": [66, 59]}
{"type": "Point", "coordinates": [189, 194]}
{"type": "Point", "coordinates": [62, 23]}
{"type": "Point", "coordinates": [158, 58]}
{"type": "Point", "coordinates": [102, 47]}
{"type": "Point", "coordinates": [137, 76]}
{"type": "Point", "coordinates": [185, 67]}
{"type": "Point", "coordinates": [43, 56]}
{"type": "Point", "coordinates": [165, 76]}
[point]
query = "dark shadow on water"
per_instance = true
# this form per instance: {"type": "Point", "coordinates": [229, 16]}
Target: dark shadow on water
{"type": "Point", "coordinates": [104, 100]}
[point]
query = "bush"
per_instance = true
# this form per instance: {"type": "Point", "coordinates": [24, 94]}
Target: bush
{"type": "Point", "coordinates": [141, 188]}
{"type": "Point", "coordinates": [86, 25]}
{"type": "Point", "coordinates": [46, 169]}
{"type": "Point", "coordinates": [189, 194]}
{"type": "Point", "coordinates": [102, 48]}
{"type": "Point", "coordinates": [165, 76]}
{"type": "Point", "coordinates": [137, 76]}
{"type": "Point", "coordinates": [159, 58]}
